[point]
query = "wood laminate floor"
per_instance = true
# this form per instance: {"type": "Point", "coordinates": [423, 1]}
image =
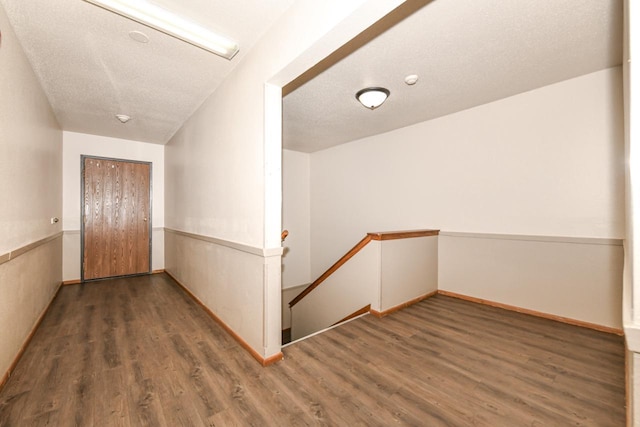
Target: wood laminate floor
{"type": "Point", "coordinates": [139, 352]}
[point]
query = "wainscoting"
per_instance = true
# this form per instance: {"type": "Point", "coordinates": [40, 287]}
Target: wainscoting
{"type": "Point", "coordinates": [573, 278]}
{"type": "Point", "coordinates": [240, 284]}
{"type": "Point", "coordinates": [384, 271]}
{"type": "Point", "coordinates": [29, 278]}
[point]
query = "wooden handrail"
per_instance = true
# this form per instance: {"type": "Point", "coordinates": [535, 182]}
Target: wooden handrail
{"type": "Point", "coordinates": [346, 257]}
{"type": "Point", "coordinates": [384, 235]}
{"type": "Point", "coordinates": [393, 235]}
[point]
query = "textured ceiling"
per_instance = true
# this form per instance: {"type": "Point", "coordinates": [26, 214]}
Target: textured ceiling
{"type": "Point", "coordinates": [466, 53]}
{"type": "Point", "coordinates": [91, 69]}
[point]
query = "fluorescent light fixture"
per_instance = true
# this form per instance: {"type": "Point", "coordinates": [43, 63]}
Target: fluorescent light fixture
{"type": "Point", "coordinates": [372, 97]}
{"type": "Point", "coordinates": [156, 17]}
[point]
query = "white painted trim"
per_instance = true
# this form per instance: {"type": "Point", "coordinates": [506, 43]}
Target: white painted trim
{"type": "Point", "coordinates": [264, 252]}
{"type": "Point", "coordinates": [534, 238]}
{"type": "Point", "coordinates": [632, 336]}
{"type": "Point", "coordinates": [272, 165]}
{"type": "Point", "coordinates": [304, 285]}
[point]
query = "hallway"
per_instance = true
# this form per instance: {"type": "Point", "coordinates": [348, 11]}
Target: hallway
{"type": "Point", "coordinates": [139, 351]}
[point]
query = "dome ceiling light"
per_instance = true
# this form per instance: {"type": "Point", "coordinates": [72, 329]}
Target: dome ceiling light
{"type": "Point", "coordinates": [372, 97]}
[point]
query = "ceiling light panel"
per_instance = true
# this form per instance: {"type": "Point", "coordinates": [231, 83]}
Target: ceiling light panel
{"type": "Point", "coordinates": [167, 22]}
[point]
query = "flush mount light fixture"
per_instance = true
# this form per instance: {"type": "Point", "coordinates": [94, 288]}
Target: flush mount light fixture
{"type": "Point", "coordinates": [372, 97]}
{"type": "Point", "coordinates": [154, 16]}
{"type": "Point", "coordinates": [123, 118]}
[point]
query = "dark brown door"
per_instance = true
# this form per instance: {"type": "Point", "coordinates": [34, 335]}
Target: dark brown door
{"type": "Point", "coordinates": [116, 218]}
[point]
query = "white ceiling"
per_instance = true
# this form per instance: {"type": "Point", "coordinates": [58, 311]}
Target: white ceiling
{"type": "Point", "coordinates": [91, 69]}
{"type": "Point", "coordinates": [466, 53]}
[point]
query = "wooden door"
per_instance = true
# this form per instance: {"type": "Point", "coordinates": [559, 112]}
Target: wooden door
{"type": "Point", "coordinates": [116, 218]}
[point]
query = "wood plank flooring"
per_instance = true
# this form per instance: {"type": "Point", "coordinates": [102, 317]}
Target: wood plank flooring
{"type": "Point", "coordinates": [139, 352]}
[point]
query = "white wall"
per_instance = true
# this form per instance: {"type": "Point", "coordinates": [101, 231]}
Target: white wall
{"type": "Point", "coordinates": [30, 151]}
{"type": "Point", "coordinates": [296, 218]}
{"type": "Point", "coordinates": [31, 190]}
{"type": "Point", "coordinates": [545, 162]}
{"type": "Point", "coordinates": [78, 144]}
{"type": "Point", "coordinates": [227, 141]}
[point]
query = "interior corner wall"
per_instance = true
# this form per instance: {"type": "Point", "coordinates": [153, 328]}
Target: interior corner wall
{"type": "Point", "coordinates": [77, 144]}
{"type": "Point", "coordinates": [296, 218]}
{"type": "Point", "coordinates": [220, 167]}
{"type": "Point", "coordinates": [31, 188]}
{"type": "Point", "coordinates": [528, 192]}
{"type": "Point", "coordinates": [546, 162]}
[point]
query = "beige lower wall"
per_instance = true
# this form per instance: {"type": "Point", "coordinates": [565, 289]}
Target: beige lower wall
{"type": "Point", "coordinates": [287, 295]}
{"type": "Point", "coordinates": [72, 258]}
{"type": "Point", "coordinates": [408, 270]}
{"type": "Point", "coordinates": [27, 286]}
{"type": "Point", "coordinates": [230, 280]}
{"type": "Point", "coordinates": [384, 274]}
{"type": "Point", "coordinates": [576, 278]}
{"type": "Point", "coordinates": [352, 286]}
